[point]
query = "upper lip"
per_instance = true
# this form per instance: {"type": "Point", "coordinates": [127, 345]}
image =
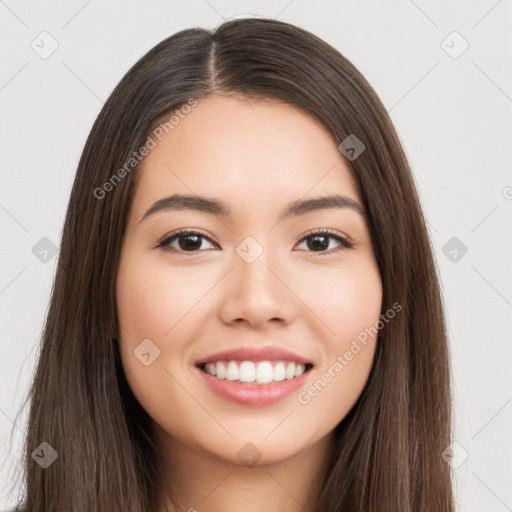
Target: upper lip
{"type": "Point", "coordinates": [270, 353]}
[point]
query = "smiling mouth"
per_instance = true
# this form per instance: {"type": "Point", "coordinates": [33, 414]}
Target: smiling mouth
{"type": "Point", "coordinates": [255, 372]}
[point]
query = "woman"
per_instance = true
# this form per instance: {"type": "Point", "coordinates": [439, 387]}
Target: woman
{"type": "Point", "coordinates": [246, 311]}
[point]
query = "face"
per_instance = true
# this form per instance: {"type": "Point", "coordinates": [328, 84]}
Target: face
{"type": "Point", "coordinates": [250, 278]}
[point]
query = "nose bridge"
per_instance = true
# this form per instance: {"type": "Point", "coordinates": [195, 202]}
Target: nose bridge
{"type": "Point", "coordinates": [257, 294]}
{"type": "Point", "coordinates": [252, 265]}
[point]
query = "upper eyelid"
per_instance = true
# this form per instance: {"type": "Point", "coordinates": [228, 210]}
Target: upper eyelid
{"type": "Point", "coordinates": [327, 232]}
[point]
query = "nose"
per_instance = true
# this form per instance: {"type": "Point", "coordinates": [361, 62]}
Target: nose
{"type": "Point", "coordinates": [257, 293]}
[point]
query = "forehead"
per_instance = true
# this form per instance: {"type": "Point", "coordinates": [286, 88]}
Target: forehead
{"type": "Point", "coordinates": [246, 152]}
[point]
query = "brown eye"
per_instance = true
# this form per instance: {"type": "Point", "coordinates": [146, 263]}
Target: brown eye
{"type": "Point", "coordinates": [186, 241]}
{"type": "Point", "coordinates": [319, 241]}
{"type": "Point", "coordinates": [192, 241]}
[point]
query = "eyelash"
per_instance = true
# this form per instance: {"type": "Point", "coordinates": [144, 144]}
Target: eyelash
{"type": "Point", "coordinates": [345, 243]}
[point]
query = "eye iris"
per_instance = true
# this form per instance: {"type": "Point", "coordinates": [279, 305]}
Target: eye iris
{"type": "Point", "coordinates": [196, 244]}
{"type": "Point", "coordinates": [316, 244]}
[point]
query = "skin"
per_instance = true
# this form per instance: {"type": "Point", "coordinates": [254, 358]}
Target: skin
{"type": "Point", "coordinates": [257, 157]}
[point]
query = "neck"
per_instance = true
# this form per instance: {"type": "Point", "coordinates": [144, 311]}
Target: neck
{"type": "Point", "coordinates": [202, 481]}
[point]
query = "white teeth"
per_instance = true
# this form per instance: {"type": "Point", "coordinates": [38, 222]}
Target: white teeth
{"type": "Point", "coordinates": [232, 372]}
{"type": "Point", "coordinates": [299, 370]}
{"type": "Point", "coordinates": [262, 372]}
{"type": "Point", "coordinates": [211, 368]}
{"type": "Point", "coordinates": [290, 371]}
{"type": "Point", "coordinates": [279, 372]}
{"type": "Point", "coordinates": [220, 370]}
{"type": "Point", "coordinates": [247, 372]}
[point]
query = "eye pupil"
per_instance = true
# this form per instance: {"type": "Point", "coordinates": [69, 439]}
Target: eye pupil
{"type": "Point", "coordinates": [193, 246]}
{"type": "Point", "coordinates": [316, 244]}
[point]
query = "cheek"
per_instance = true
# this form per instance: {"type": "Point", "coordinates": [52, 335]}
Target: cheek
{"type": "Point", "coordinates": [159, 303]}
{"type": "Point", "coordinates": [152, 298]}
{"type": "Point", "coordinates": [349, 305]}
{"type": "Point", "coordinates": [145, 301]}
{"type": "Point", "coordinates": [149, 304]}
{"type": "Point", "coordinates": [346, 300]}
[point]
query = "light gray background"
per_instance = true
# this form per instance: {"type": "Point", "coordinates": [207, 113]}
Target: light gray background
{"type": "Point", "coordinates": [453, 116]}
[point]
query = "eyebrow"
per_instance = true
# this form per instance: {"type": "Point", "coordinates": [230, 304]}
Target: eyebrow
{"type": "Point", "coordinates": [218, 208]}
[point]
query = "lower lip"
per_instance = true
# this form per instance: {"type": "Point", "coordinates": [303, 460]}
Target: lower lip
{"type": "Point", "coordinates": [254, 394]}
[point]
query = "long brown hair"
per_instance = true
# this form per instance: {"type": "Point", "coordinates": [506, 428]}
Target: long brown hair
{"type": "Point", "coordinates": [389, 446]}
